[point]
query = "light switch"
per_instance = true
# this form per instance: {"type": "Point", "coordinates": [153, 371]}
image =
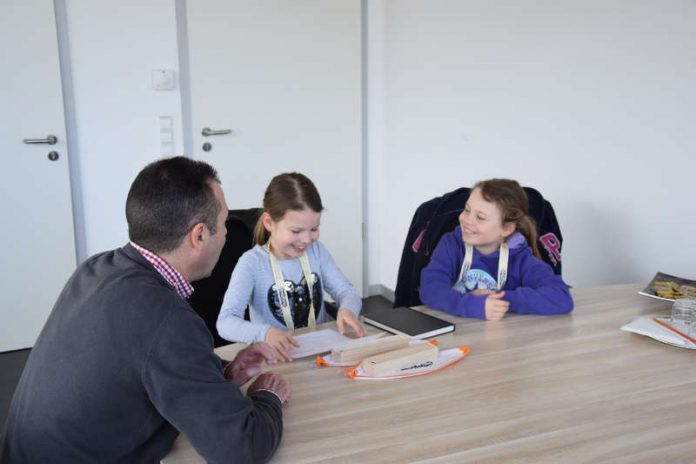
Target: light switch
{"type": "Point", "coordinates": [166, 135]}
{"type": "Point", "coordinates": [163, 79]}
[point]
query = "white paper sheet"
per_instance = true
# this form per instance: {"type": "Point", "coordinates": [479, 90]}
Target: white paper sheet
{"type": "Point", "coordinates": [648, 327]}
{"type": "Point", "coordinates": [317, 342]}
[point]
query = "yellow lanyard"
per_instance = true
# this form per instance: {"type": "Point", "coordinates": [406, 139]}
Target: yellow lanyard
{"type": "Point", "coordinates": [282, 292]}
{"type": "Point", "coordinates": [502, 263]}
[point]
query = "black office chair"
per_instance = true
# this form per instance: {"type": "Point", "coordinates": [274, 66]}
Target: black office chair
{"type": "Point", "coordinates": [441, 214]}
{"type": "Point", "coordinates": [209, 292]}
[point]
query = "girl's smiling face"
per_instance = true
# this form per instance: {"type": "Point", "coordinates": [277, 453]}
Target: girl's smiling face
{"type": "Point", "coordinates": [296, 231]}
{"type": "Point", "coordinates": [482, 224]}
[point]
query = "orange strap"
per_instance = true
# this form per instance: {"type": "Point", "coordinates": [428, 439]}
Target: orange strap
{"type": "Point", "coordinates": [678, 332]}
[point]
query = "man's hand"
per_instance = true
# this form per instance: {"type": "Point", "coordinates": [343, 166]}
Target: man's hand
{"type": "Point", "coordinates": [346, 316]}
{"type": "Point", "coordinates": [282, 342]}
{"type": "Point", "coordinates": [273, 383]}
{"type": "Point", "coordinates": [496, 307]}
{"type": "Point", "coordinates": [248, 363]}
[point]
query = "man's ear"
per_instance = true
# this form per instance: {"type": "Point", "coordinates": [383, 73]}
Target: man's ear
{"type": "Point", "coordinates": [197, 234]}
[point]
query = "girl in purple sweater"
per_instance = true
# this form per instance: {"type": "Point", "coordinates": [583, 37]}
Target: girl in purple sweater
{"type": "Point", "coordinates": [490, 263]}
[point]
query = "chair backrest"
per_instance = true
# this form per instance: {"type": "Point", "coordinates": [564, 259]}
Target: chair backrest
{"type": "Point", "coordinates": [441, 214]}
{"type": "Point", "coordinates": [207, 297]}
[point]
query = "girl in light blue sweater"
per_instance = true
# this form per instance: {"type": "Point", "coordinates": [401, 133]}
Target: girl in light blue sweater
{"type": "Point", "coordinates": [283, 277]}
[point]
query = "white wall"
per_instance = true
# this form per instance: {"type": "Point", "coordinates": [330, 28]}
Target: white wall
{"type": "Point", "coordinates": [373, 164]}
{"type": "Point", "coordinates": [113, 48]}
{"type": "Point", "coordinates": [591, 102]}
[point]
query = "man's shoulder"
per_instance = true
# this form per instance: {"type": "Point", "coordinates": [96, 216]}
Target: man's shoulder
{"type": "Point", "coordinates": [124, 275]}
{"type": "Point", "coordinates": [116, 260]}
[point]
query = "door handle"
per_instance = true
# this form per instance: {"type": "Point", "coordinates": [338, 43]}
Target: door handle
{"type": "Point", "coordinates": [50, 139]}
{"type": "Point", "coordinates": [207, 131]}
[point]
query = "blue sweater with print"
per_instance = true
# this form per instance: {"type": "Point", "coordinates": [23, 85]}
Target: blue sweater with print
{"type": "Point", "coordinates": [531, 286]}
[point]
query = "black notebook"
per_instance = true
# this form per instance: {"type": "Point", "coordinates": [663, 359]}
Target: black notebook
{"type": "Point", "coordinates": [407, 321]}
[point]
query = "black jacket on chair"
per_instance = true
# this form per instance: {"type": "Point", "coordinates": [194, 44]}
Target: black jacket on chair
{"type": "Point", "coordinates": [441, 214]}
{"type": "Point", "coordinates": [209, 292]}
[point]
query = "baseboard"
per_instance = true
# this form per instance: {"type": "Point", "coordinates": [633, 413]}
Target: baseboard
{"type": "Point", "coordinates": [380, 290]}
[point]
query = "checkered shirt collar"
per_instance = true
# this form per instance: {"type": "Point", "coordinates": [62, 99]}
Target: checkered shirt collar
{"type": "Point", "coordinates": [166, 270]}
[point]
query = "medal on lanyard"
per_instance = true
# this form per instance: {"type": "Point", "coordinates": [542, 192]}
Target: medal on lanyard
{"type": "Point", "coordinates": [502, 263]}
{"type": "Point", "coordinates": [282, 292]}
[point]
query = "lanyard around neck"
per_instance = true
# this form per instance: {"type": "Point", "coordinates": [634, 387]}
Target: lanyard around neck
{"type": "Point", "coordinates": [502, 263]}
{"type": "Point", "coordinates": [282, 292]}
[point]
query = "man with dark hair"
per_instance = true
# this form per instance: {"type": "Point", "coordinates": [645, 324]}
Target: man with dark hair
{"type": "Point", "coordinates": [124, 364]}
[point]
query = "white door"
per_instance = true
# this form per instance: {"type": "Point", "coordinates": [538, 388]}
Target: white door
{"type": "Point", "coordinates": [38, 250]}
{"type": "Point", "coordinates": [285, 77]}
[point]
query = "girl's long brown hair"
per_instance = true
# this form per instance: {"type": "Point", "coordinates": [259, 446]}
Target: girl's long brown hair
{"type": "Point", "coordinates": [511, 198]}
{"type": "Point", "coordinates": [287, 191]}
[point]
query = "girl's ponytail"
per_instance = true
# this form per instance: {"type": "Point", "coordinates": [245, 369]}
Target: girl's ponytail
{"type": "Point", "coordinates": [527, 227]}
{"type": "Point", "coordinates": [261, 235]}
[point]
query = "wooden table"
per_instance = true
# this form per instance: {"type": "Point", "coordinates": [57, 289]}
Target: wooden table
{"type": "Point", "coordinates": [557, 389]}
